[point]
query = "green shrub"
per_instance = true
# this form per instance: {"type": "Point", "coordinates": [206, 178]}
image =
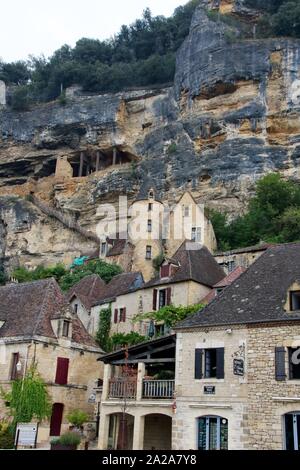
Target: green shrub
{"type": "Point", "coordinates": [68, 439]}
{"type": "Point", "coordinates": [20, 99]}
{"type": "Point", "coordinates": [77, 418]}
{"type": "Point", "coordinates": [120, 340]}
{"type": "Point", "coordinates": [6, 435]}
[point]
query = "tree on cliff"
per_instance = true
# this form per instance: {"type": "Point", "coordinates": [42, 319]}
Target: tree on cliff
{"type": "Point", "coordinates": [273, 216]}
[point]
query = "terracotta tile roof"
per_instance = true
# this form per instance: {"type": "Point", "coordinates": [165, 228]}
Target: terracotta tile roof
{"type": "Point", "coordinates": [227, 281]}
{"type": "Point", "coordinates": [27, 310]}
{"type": "Point", "coordinates": [231, 277]}
{"type": "Point", "coordinates": [88, 290]}
{"type": "Point", "coordinates": [121, 284]}
{"type": "Point", "coordinates": [258, 295]}
{"type": "Point", "coordinates": [196, 263]}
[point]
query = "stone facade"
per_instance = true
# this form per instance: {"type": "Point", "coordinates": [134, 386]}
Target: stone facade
{"type": "Point", "coordinates": [84, 370]}
{"type": "Point", "coordinates": [230, 398]}
{"type": "Point", "coordinates": [229, 260]}
{"type": "Point", "coordinates": [268, 399]}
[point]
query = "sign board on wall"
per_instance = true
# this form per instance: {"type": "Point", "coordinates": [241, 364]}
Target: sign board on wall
{"type": "Point", "coordinates": [238, 367]}
{"type": "Point", "coordinates": [26, 434]}
{"type": "Point", "coordinates": [209, 390]}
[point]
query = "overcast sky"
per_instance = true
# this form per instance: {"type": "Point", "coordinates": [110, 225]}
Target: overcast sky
{"type": "Point", "coordinates": [40, 27]}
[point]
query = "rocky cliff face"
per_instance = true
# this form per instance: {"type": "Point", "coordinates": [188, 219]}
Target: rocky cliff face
{"type": "Point", "coordinates": [231, 116]}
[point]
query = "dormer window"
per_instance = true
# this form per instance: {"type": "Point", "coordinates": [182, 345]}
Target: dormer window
{"type": "Point", "coordinates": [76, 308]}
{"type": "Point", "coordinates": [151, 194]}
{"type": "Point", "coordinates": [294, 300]}
{"type": "Point", "coordinates": [66, 329]}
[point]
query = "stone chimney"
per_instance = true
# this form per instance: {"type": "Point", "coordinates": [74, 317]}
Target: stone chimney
{"type": "Point", "coordinates": [2, 93]}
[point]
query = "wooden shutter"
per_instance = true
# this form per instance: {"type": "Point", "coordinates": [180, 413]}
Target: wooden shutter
{"type": "Point", "coordinates": [198, 363]}
{"type": "Point", "coordinates": [280, 374]}
{"type": "Point", "coordinates": [154, 299]}
{"type": "Point", "coordinates": [116, 316]}
{"type": "Point", "coordinates": [165, 270]}
{"type": "Point", "coordinates": [169, 291]}
{"type": "Point", "coordinates": [62, 369]}
{"type": "Point", "coordinates": [220, 363]}
{"type": "Point", "coordinates": [124, 315]}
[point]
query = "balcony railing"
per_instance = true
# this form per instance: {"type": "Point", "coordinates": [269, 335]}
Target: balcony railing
{"type": "Point", "coordinates": [120, 388]}
{"type": "Point", "coordinates": [158, 388]}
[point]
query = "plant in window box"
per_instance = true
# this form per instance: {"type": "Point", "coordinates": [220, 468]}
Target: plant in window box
{"type": "Point", "coordinates": [68, 441]}
{"type": "Point", "coordinates": [77, 418]}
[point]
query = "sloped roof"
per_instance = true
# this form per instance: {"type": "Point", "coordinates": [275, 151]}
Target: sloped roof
{"type": "Point", "coordinates": [231, 277]}
{"type": "Point", "coordinates": [121, 284]}
{"type": "Point", "coordinates": [248, 249]}
{"type": "Point", "coordinates": [88, 290]}
{"type": "Point", "coordinates": [118, 248]}
{"type": "Point", "coordinates": [27, 310]}
{"type": "Point", "coordinates": [196, 263]}
{"type": "Point", "coordinates": [258, 295]}
{"type": "Point", "coordinates": [227, 281]}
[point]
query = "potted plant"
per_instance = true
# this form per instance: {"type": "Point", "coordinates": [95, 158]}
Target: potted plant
{"type": "Point", "coordinates": [77, 418]}
{"type": "Point", "coordinates": [67, 441]}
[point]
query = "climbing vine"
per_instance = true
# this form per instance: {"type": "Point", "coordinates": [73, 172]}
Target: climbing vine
{"type": "Point", "coordinates": [169, 314]}
{"type": "Point", "coordinates": [102, 335]}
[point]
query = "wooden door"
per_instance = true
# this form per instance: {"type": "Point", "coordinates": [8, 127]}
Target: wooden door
{"type": "Point", "coordinates": [56, 419]}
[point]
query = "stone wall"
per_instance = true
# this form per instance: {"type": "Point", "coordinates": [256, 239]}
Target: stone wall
{"type": "Point", "coordinates": [268, 399]}
{"type": "Point", "coordinates": [230, 399]}
{"type": "Point", "coordinates": [83, 371]}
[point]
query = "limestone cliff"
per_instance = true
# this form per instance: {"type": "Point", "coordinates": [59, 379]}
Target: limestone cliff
{"type": "Point", "coordinates": [231, 116]}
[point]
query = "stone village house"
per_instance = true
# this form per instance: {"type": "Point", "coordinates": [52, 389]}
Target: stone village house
{"type": "Point", "coordinates": [236, 370]}
{"type": "Point", "coordinates": [183, 280]}
{"type": "Point", "coordinates": [38, 326]}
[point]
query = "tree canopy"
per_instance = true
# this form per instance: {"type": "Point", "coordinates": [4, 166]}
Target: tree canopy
{"type": "Point", "coordinates": [138, 55]}
{"type": "Point", "coordinates": [273, 216]}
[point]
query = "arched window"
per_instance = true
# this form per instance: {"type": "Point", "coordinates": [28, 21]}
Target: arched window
{"type": "Point", "coordinates": [212, 433]}
{"type": "Point", "coordinates": [292, 430]}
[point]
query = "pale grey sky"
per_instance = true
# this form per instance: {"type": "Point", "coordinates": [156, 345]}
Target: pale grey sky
{"type": "Point", "coordinates": [40, 27]}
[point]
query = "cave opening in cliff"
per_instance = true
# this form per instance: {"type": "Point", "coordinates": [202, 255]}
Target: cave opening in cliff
{"type": "Point", "coordinates": [220, 88]}
{"type": "Point", "coordinates": [86, 162]}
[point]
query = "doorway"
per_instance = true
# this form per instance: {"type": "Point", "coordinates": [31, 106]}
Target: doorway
{"type": "Point", "coordinates": [56, 419]}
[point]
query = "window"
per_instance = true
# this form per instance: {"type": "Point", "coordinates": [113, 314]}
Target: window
{"type": "Point", "coordinates": [66, 329]}
{"type": "Point", "coordinates": [162, 297]}
{"type": "Point", "coordinates": [295, 300]}
{"type": "Point", "coordinates": [62, 369]}
{"type": "Point", "coordinates": [148, 252]}
{"type": "Point", "coordinates": [14, 370]}
{"type": "Point", "coordinates": [212, 433]}
{"type": "Point", "coordinates": [151, 194]}
{"type": "Point", "coordinates": [150, 206]}
{"type": "Point", "coordinates": [103, 249]}
{"type": "Point", "coordinates": [76, 308]}
{"type": "Point", "coordinates": [186, 211]}
{"type": "Point", "coordinates": [294, 363]}
{"type": "Point", "coordinates": [219, 290]}
{"type": "Point", "coordinates": [292, 431]}
{"type": "Point", "coordinates": [149, 225]}
{"type": "Point", "coordinates": [209, 363]}
{"type": "Point", "coordinates": [196, 234]}
{"type": "Point", "coordinates": [120, 315]}
{"type": "Point", "coordinates": [231, 266]}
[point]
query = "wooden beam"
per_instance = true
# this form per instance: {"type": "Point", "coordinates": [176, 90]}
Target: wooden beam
{"type": "Point", "coordinates": [145, 361]}
{"type": "Point", "coordinates": [81, 164]}
{"type": "Point", "coordinates": [114, 156]}
{"type": "Point", "coordinates": [152, 350]}
{"type": "Point", "coordinates": [97, 161]}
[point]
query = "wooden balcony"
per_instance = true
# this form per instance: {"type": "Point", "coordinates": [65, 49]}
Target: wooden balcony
{"type": "Point", "coordinates": [122, 388]}
{"type": "Point", "coordinates": [158, 389]}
